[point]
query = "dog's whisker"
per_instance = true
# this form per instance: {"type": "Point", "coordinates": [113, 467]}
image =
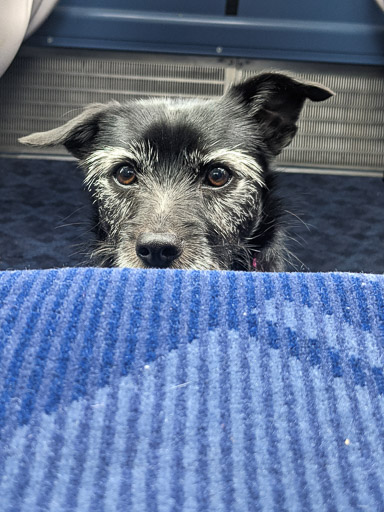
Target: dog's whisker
{"type": "Point", "coordinates": [59, 226]}
{"type": "Point", "coordinates": [290, 256]}
{"type": "Point", "coordinates": [294, 239]}
{"type": "Point", "coordinates": [296, 216]}
{"type": "Point", "coordinates": [74, 212]}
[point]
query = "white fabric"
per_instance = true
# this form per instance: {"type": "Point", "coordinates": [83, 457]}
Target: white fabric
{"type": "Point", "coordinates": [18, 19]}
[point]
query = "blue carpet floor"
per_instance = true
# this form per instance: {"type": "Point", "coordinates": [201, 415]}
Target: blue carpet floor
{"type": "Point", "coordinates": [167, 391]}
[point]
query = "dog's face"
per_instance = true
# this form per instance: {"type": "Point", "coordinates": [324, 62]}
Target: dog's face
{"type": "Point", "coordinates": [186, 183]}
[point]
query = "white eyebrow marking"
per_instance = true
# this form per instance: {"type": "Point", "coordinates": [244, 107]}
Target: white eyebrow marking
{"type": "Point", "coordinates": [105, 159]}
{"type": "Point", "coordinates": [238, 161]}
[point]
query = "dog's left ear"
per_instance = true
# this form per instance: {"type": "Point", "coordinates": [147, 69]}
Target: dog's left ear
{"type": "Point", "coordinates": [275, 101]}
{"type": "Point", "coordinates": [76, 135]}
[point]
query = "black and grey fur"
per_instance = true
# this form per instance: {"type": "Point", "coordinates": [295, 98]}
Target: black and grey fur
{"type": "Point", "coordinates": [171, 215]}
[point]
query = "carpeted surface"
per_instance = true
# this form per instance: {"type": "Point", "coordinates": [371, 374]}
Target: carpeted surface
{"type": "Point", "coordinates": [44, 214]}
{"type": "Point", "coordinates": [134, 390]}
{"type": "Point", "coordinates": [45, 218]}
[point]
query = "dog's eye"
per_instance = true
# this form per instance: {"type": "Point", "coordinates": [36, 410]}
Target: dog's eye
{"type": "Point", "coordinates": [125, 175]}
{"type": "Point", "coordinates": [218, 177]}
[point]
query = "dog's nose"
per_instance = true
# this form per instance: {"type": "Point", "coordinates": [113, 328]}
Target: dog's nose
{"type": "Point", "coordinates": [158, 249]}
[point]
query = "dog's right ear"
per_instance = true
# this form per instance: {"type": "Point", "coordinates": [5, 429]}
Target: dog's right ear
{"type": "Point", "coordinates": [76, 135]}
{"type": "Point", "coordinates": [274, 101]}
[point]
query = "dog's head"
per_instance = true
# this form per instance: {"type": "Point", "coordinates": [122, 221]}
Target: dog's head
{"type": "Point", "coordinates": [186, 183]}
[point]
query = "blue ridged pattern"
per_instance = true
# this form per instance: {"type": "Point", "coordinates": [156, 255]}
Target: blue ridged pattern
{"type": "Point", "coordinates": [156, 390]}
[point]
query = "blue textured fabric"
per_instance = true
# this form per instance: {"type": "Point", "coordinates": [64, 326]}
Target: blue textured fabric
{"type": "Point", "coordinates": [158, 390]}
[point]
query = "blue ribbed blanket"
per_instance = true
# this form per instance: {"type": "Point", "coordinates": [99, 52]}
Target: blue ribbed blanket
{"type": "Point", "coordinates": [158, 390]}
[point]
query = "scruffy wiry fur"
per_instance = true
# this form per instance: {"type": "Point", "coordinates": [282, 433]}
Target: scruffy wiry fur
{"type": "Point", "coordinates": [171, 144]}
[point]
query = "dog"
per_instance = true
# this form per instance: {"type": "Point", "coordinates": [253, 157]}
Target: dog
{"type": "Point", "coordinates": [188, 183]}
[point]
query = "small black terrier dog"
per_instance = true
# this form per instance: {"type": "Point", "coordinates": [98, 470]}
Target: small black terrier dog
{"type": "Point", "coordinates": [187, 183]}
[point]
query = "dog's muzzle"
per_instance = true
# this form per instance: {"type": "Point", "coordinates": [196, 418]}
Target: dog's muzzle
{"type": "Point", "coordinates": [158, 250]}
